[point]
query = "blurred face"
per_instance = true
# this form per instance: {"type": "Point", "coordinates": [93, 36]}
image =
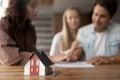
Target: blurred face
{"type": "Point", "coordinates": [32, 9]}
{"type": "Point", "coordinates": [100, 18]}
{"type": "Point", "coordinates": [73, 19]}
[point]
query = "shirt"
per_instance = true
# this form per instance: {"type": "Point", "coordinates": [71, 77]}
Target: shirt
{"type": "Point", "coordinates": [99, 49]}
{"type": "Point", "coordinates": [10, 53]}
{"type": "Point", "coordinates": [56, 47]}
{"type": "Point", "coordinates": [86, 36]}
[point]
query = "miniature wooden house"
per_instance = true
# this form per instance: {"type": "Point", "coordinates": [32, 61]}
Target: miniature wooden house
{"type": "Point", "coordinates": [36, 67]}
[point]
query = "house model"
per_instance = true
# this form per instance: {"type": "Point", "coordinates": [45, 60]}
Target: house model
{"type": "Point", "coordinates": [38, 65]}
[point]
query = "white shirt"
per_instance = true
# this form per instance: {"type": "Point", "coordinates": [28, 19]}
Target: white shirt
{"type": "Point", "coordinates": [56, 47]}
{"type": "Point", "coordinates": [99, 49]}
{"type": "Point", "coordinates": [56, 44]}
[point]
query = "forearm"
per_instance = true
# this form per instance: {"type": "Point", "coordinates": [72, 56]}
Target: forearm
{"type": "Point", "coordinates": [77, 54]}
{"type": "Point", "coordinates": [11, 56]}
{"type": "Point", "coordinates": [57, 58]}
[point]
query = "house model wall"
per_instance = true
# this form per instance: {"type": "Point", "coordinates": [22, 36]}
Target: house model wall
{"type": "Point", "coordinates": [35, 67]}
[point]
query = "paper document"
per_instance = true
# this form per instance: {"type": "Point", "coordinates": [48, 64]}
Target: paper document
{"type": "Point", "coordinates": [82, 64]}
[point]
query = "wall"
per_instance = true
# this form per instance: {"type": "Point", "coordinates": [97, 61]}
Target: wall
{"type": "Point", "coordinates": [57, 22]}
{"type": "Point", "coordinates": [117, 15]}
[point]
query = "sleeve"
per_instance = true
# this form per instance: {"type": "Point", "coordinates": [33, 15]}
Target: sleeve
{"type": "Point", "coordinates": [79, 38]}
{"type": "Point", "coordinates": [9, 54]}
{"type": "Point", "coordinates": [56, 45]}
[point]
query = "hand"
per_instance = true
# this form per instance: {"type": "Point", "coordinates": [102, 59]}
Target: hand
{"type": "Point", "coordinates": [58, 58]}
{"type": "Point", "coordinates": [100, 60]}
{"type": "Point", "coordinates": [70, 58]}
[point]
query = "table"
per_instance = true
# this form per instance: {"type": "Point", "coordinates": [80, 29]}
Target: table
{"type": "Point", "coordinates": [101, 72]}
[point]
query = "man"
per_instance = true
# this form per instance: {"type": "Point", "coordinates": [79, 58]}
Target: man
{"type": "Point", "coordinates": [100, 41]}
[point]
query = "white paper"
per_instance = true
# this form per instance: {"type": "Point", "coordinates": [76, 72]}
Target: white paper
{"type": "Point", "coordinates": [82, 64]}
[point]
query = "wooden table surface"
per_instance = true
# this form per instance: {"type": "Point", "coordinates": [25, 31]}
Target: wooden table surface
{"type": "Point", "coordinates": [101, 72]}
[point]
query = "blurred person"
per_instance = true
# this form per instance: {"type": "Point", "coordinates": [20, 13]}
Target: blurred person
{"type": "Point", "coordinates": [100, 41]}
{"type": "Point", "coordinates": [63, 40]}
{"type": "Point", "coordinates": [17, 34]}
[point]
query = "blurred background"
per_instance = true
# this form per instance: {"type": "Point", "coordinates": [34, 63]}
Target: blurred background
{"type": "Point", "coordinates": [49, 19]}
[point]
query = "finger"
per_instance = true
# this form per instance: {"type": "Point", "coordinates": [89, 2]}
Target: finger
{"type": "Point", "coordinates": [66, 58]}
{"type": "Point", "coordinates": [92, 61]}
{"type": "Point", "coordinates": [98, 62]}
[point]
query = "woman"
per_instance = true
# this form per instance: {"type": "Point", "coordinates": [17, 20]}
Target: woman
{"type": "Point", "coordinates": [64, 41]}
{"type": "Point", "coordinates": [17, 35]}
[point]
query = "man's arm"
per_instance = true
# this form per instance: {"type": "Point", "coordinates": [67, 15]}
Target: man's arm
{"type": "Point", "coordinates": [75, 55]}
{"type": "Point", "coordinates": [105, 60]}
{"type": "Point", "coordinates": [115, 59]}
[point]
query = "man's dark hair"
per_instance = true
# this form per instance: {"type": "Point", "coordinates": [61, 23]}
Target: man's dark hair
{"type": "Point", "coordinates": [110, 5]}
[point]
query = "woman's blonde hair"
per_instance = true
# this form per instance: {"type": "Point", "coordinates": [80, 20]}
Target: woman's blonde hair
{"type": "Point", "coordinates": [66, 37]}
